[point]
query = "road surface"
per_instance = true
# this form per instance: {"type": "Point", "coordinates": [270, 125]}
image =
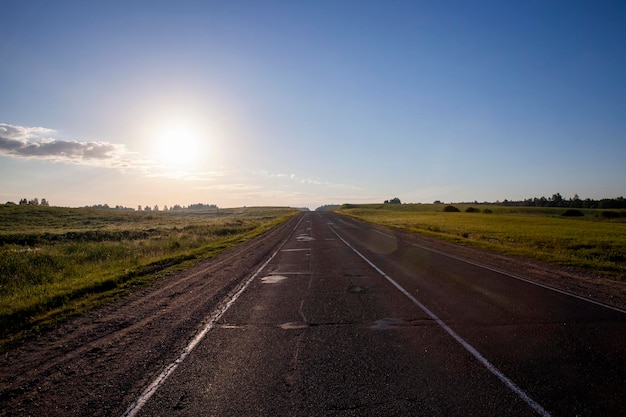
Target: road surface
{"type": "Point", "coordinates": [348, 320]}
{"type": "Point", "coordinates": [341, 318]}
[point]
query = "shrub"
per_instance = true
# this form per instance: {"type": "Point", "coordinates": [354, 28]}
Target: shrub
{"type": "Point", "coordinates": [472, 210]}
{"type": "Point", "coordinates": [487, 211]}
{"type": "Point", "coordinates": [572, 213]}
{"type": "Point", "coordinates": [451, 209]}
{"type": "Point", "coordinates": [609, 214]}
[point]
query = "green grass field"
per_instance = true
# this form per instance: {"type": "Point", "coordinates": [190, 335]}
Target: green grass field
{"type": "Point", "coordinates": [595, 241]}
{"type": "Point", "coordinates": [56, 262]}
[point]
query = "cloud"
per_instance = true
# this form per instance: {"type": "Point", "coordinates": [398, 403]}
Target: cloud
{"type": "Point", "coordinates": [307, 181]}
{"type": "Point", "coordinates": [37, 143]}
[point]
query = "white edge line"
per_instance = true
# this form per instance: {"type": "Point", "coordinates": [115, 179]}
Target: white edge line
{"type": "Point", "coordinates": [580, 297]}
{"type": "Point", "coordinates": [522, 279]}
{"type": "Point", "coordinates": [495, 371]}
{"type": "Point", "coordinates": [136, 406]}
{"type": "Point", "coordinates": [384, 234]}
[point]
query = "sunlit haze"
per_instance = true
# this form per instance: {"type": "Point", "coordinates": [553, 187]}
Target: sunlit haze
{"type": "Point", "coordinates": [309, 103]}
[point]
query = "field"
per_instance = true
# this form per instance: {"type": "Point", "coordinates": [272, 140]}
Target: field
{"type": "Point", "coordinates": [595, 241]}
{"type": "Point", "coordinates": [57, 262]}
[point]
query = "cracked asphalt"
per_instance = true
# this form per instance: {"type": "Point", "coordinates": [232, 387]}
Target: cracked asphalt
{"type": "Point", "coordinates": [327, 316]}
{"type": "Point", "coordinates": [322, 332]}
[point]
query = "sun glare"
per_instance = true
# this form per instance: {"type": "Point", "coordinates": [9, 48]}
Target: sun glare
{"type": "Point", "coordinates": [177, 146]}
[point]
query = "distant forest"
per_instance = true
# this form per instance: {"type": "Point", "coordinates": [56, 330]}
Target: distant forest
{"type": "Point", "coordinates": [558, 201]}
{"type": "Point", "coordinates": [555, 201]}
{"type": "Point", "coordinates": [175, 207]}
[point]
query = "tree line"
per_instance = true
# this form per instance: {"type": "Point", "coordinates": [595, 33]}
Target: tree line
{"type": "Point", "coordinates": [176, 207]}
{"type": "Point", "coordinates": [32, 202]}
{"type": "Point", "coordinates": [147, 207]}
{"type": "Point", "coordinates": [575, 202]}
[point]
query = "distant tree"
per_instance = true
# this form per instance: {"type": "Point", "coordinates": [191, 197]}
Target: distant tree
{"type": "Point", "coordinates": [165, 208]}
{"type": "Point", "coordinates": [156, 207]}
{"type": "Point", "coordinates": [575, 202]}
{"type": "Point", "coordinates": [44, 202]}
{"type": "Point", "coordinates": [139, 207]}
{"type": "Point", "coordinates": [147, 208]}
{"type": "Point", "coordinates": [437, 202]}
{"type": "Point", "coordinates": [201, 206]}
{"type": "Point", "coordinates": [33, 202]}
{"type": "Point", "coordinates": [395, 200]}
{"type": "Point", "coordinates": [327, 207]}
{"type": "Point", "coordinates": [23, 202]}
{"type": "Point", "coordinates": [556, 200]}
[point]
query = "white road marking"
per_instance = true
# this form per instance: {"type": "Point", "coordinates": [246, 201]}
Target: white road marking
{"type": "Point", "coordinates": [490, 367]}
{"type": "Point", "coordinates": [521, 279]}
{"type": "Point", "coordinates": [384, 234]}
{"type": "Point", "coordinates": [136, 406]}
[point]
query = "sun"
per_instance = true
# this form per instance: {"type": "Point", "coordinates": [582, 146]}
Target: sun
{"type": "Point", "coordinates": [177, 146]}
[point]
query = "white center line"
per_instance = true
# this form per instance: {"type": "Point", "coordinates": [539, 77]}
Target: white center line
{"type": "Point", "coordinates": [471, 349]}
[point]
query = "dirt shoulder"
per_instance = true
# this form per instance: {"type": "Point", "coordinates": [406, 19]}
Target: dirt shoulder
{"type": "Point", "coordinates": [99, 363]}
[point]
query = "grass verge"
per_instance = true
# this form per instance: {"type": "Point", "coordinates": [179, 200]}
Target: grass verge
{"type": "Point", "coordinates": [595, 241]}
{"type": "Point", "coordinates": [59, 262]}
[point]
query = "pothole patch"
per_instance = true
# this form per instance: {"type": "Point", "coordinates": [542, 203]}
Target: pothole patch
{"type": "Point", "coordinates": [355, 289]}
{"type": "Point", "coordinates": [293, 325]}
{"type": "Point", "coordinates": [387, 323]}
{"type": "Point", "coordinates": [273, 279]}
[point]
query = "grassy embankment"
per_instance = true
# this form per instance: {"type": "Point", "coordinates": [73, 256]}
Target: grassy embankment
{"type": "Point", "coordinates": [595, 241]}
{"type": "Point", "coordinates": [57, 262]}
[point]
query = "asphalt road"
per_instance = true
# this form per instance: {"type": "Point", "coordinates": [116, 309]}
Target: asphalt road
{"type": "Point", "coordinates": [351, 320]}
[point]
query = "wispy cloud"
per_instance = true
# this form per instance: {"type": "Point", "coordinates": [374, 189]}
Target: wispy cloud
{"type": "Point", "coordinates": [300, 180]}
{"type": "Point", "coordinates": [39, 143]}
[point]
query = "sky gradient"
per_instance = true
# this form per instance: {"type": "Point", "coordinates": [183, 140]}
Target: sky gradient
{"type": "Point", "coordinates": [308, 103]}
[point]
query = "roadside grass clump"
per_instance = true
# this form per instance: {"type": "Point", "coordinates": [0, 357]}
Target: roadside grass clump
{"type": "Point", "coordinates": [610, 214]}
{"type": "Point", "coordinates": [592, 242]}
{"type": "Point", "coordinates": [572, 213]}
{"type": "Point", "coordinates": [55, 262]}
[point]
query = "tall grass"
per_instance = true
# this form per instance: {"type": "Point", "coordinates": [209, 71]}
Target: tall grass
{"type": "Point", "coordinates": [594, 242]}
{"type": "Point", "coordinates": [55, 262]}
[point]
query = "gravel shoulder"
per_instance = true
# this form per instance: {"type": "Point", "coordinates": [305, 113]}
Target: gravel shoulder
{"type": "Point", "coordinates": [97, 364]}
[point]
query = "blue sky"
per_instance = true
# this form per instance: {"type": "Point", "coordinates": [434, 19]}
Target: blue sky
{"type": "Point", "coordinates": [308, 103]}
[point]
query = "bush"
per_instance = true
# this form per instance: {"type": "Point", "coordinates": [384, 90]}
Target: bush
{"type": "Point", "coordinates": [609, 214]}
{"type": "Point", "coordinates": [472, 210]}
{"type": "Point", "coordinates": [487, 211]}
{"type": "Point", "coordinates": [451, 209]}
{"type": "Point", "coordinates": [572, 213]}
